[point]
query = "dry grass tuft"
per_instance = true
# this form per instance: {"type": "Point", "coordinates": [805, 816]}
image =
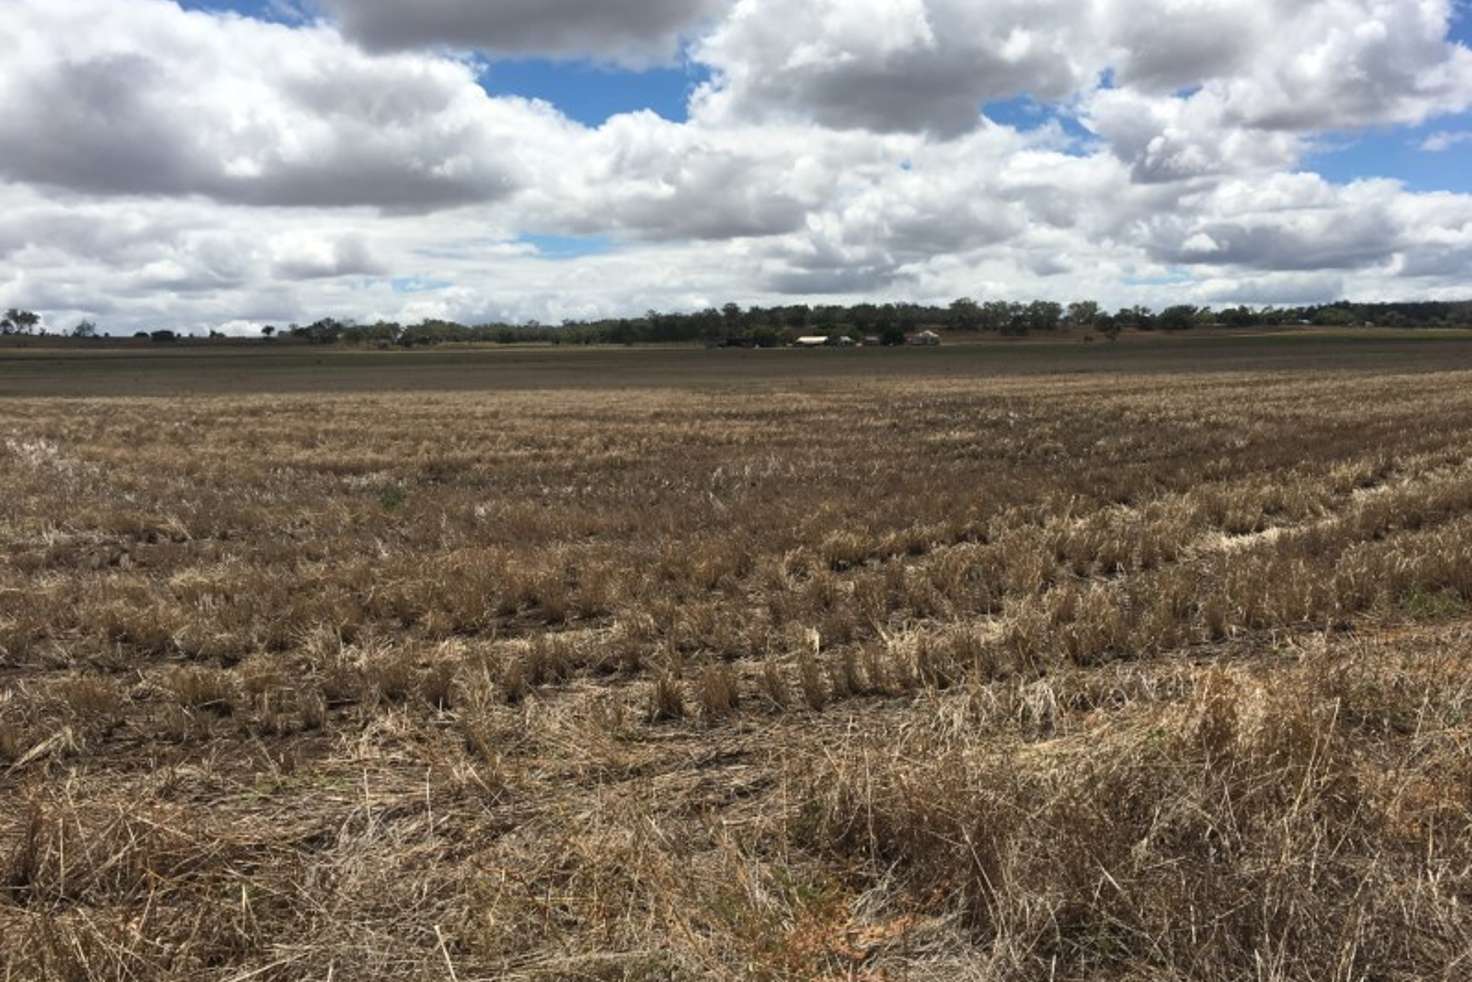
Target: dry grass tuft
{"type": "Point", "coordinates": [666, 698]}
{"type": "Point", "coordinates": [719, 693]}
{"type": "Point", "coordinates": [202, 689]}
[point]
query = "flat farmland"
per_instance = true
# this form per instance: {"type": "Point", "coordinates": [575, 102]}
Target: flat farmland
{"type": "Point", "coordinates": [123, 369]}
{"type": "Point", "coordinates": [995, 661]}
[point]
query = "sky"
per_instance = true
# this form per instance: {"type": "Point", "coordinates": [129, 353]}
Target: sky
{"type": "Point", "coordinates": [223, 164]}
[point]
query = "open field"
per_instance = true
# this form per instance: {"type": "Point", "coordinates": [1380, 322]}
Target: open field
{"type": "Point", "coordinates": [83, 369]}
{"type": "Point", "coordinates": [1022, 661]}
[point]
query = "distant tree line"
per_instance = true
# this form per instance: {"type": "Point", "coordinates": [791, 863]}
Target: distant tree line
{"type": "Point", "coordinates": [889, 323]}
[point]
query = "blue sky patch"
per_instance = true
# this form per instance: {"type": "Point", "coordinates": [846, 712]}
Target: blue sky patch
{"type": "Point", "coordinates": [418, 284]}
{"type": "Point", "coordinates": [1025, 114]}
{"type": "Point", "coordinates": [1461, 28]}
{"type": "Point", "coordinates": [1021, 113]}
{"type": "Point", "coordinates": [591, 93]}
{"type": "Point", "coordinates": [1175, 276]}
{"type": "Point", "coordinates": [568, 246]}
{"type": "Point", "coordinates": [284, 11]}
{"type": "Point", "coordinates": [1397, 152]}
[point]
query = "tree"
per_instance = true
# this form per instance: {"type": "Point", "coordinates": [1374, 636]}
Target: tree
{"type": "Point", "coordinates": [825, 318]}
{"type": "Point", "coordinates": [715, 325]}
{"type": "Point", "coordinates": [1083, 314]}
{"type": "Point", "coordinates": [866, 315]}
{"type": "Point", "coordinates": [796, 317]}
{"type": "Point", "coordinates": [891, 335]}
{"type": "Point", "coordinates": [325, 331]}
{"type": "Point", "coordinates": [1181, 317]}
{"type": "Point", "coordinates": [1109, 326]}
{"type": "Point", "coordinates": [965, 314]}
{"type": "Point", "coordinates": [1140, 318]}
{"type": "Point", "coordinates": [906, 315]}
{"type": "Point", "coordinates": [1015, 321]}
{"type": "Point", "coordinates": [1334, 317]}
{"type": "Point", "coordinates": [267, 332]}
{"type": "Point", "coordinates": [766, 337]}
{"type": "Point", "coordinates": [1239, 316]}
{"type": "Point", "coordinates": [383, 332]}
{"type": "Point", "coordinates": [19, 321]}
{"type": "Point", "coordinates": [84, 329]}
{"type": "Point", "coordinates": [996, 316]}
{"type": "Point", "coordinates": [1043, 315]}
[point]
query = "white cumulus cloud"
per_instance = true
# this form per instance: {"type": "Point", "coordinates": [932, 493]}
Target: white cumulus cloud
{"type": "Point", "coordinates": [633, 31]}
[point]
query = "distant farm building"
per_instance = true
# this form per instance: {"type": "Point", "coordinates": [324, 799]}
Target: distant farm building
{"type": "Point", "coordinates": [825, 341]}
{"type": "Point", "coordinates": [927, 339]}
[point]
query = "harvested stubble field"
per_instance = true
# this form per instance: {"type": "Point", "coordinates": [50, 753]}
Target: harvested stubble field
{"type": "Point", "coordinates": [861, 666]}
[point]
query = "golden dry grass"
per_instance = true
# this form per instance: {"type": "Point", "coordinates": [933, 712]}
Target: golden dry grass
{"type": "Point", "coordinates": [1063, 677]}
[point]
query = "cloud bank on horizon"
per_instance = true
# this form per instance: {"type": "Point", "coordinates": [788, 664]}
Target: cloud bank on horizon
{"type": "Point", "coordinates": [265, 162]}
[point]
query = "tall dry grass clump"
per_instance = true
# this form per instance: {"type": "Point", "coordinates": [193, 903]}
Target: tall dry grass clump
{"type": "Point", "coordinates": [1305, 824]}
